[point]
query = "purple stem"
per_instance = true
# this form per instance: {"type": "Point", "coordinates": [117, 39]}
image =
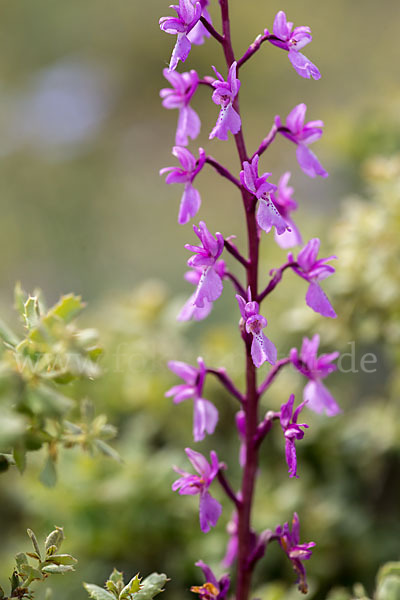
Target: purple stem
{"type": "Point", "coordinates": [272, 374]}
{"type": "Point", "coordinates": [265, 427]}
{"type": "Point", "coordinates": [211, 30]}
{"type": "Point", "coordinates": [267, 141]}
{"type": "Point", "coordinates": [238, 286]}
{"type": "Point", "coordinates": [207, 80]}
{"type": "Point", "coordinates": [235, 252]}
{"type": "Point", "coordinates": [275, 280]}
{"type": "Point", "coordinates": [252, 49]}
{"type": "Point", "coordinates": [227, 382]}
{"type": "Point", "coordinates": [227, 488]}
{"type": "Point", "coordinates": [223, 171]}
{"type": "Point", "coordinates": [264, 539]}
{"type": "Point", "coordinates": [244, 571]}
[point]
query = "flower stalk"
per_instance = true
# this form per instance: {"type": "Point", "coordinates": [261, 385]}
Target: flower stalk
{"type": "Point", "coordinates": [265, 206]}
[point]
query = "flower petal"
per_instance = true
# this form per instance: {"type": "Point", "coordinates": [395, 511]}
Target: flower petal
{"type": "Point", "coordinates": [209, 511]}
{"type": "Point", "coordinates": [309, 162]}
{"type": "Point", "coordinates": [320, 400]}
{"type": "Point", "coordinates": [318, 301]}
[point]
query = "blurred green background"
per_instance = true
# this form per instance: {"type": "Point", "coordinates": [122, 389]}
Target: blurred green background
{"type": "Point", "coordinates": [82, 137]}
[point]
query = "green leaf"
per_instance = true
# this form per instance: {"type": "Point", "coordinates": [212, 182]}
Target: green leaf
{"type": "Point", "coordinates": [30, 574]}
{"type": "Point", "coordinates": [390, 568]}
{"type": "Point", "coordinates": [131, 588]}
{"type": "Point", "coordinates": [115, 582]}
{"type": "Point", "coordinates": [31, 312]}
{"type": "Point", "coordinates": [14, 580]}
{"type": "Point", "coordinates": [12, 427]}
{"type": "Point", "coordinates": [48, 476]}
{"type": "Point", "coordinates": [7, 335]}
{"type": "Point", "coordinates": [21, 559]}
{"type": "Point", "coordinates": [60, 569]}
{"type": "Point", "coordinates": [34, 541]}
{"type": "Point", "coordinates": [55, 538]}
{"type": "Point", "coordinates": [33, 555]}
{"type": "Point", "coordinates": [62, 559]}
{"type": "Point", "coordinates": [389, 588]}
{"type": "Point", "coordinates": [2, 594]}
{"type": "Point", "coordinates": [151, 586]}
{"type": "Point", "coordinates": [97, 592]}
{"type": "Point", "coordinates": [44, 400]}
{"type": "Point", "coordinates": [107, 450]}
{"type": "Point", "coordinates": [19, 455]}
{"type": "Point", "coordinates": [67, 307]}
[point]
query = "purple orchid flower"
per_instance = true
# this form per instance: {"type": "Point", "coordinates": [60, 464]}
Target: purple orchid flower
{"type": "Point", "coordinates": [315, 368]}
{"type": "Point", "coordinates": [262, 349]}
{"type": "Point", "coordinates": [209, 509]}
{"type": "Point", "coordinates": [190, 202]}
{"type": "Point", "coordinates": [313, 271]}
{"type": "Point", "coordinates": [199, 32]}
{"type": "Point", "coordinates": [224, 94]}
{"type": "Point", "coordinates": [293, 41]}
{"type": "Point", "coordinates": [285, 204]}
{"type": "Point", "coordinates": [289, 541]}
{"type": "Point", "coordinates": [302, 135]}
{"type": "Point", "coordinates": [213, 589]}
{"type": "Point", "coordinates": [188, 14]}
{"type": "Point", "coordinates": [209, 287]}
{"type": "Point", "coordinates": [268, 215]}
{"type": "Point", "coordinates": [292, 432]}
{"type": "Point", "coordinates": [205, 415]}
{"type": "Point", "coordinates": [184, 86]}
{"type": "Point", "coordinates": [189, 310]}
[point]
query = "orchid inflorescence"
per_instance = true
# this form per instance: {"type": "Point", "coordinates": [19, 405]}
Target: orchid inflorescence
{"type": "Point", "coordinates": [268, 207]}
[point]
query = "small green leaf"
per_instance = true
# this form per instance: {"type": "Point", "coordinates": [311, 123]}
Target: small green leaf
{"type": "Point", "coordinates": [115, 583]}
{"type": "Point", "coordinates": [21, 559]}
{"type": "Point", "coordinates": [97, 592]}
{"type": "Point", "coordinates": [107, 450]}
{"type": "Point", "coordinates": [151, 586]}
{"type": "Point", "coordinates": [48, 476]}
{"type": "Point", "coordinates": [110, 585]}
{"type": "Point", "coordinates": [67, 307]}
{"type": "Point", "coordinates": [19, 455]}
{"type": "Point", "coordinates": [2, 594]}
{"type": "Point", "coordinates": [60, 569]}
{"type": "Point", "coordinates": [7, 335]}
{"type": "Point", "coordinates": [14, 580]}
{"type": "Point", "coordinates": [131, 588]}
{"type": "Point", "coordinates": [31, 312]}
{"type": "Point", "coordinates": [389, 588]}
{"type": "Point", "coordinates": [72, 427]}
{"type": "Point", "coordinates": [33, 555]}
{"type": "Point", "coordinates": [55, 538]}
{"type": "Point", "coordinates": [30, 574]}
{"type": "Point", "coordinates": [390, 568]}
{"type": "Point", "coordinates": [34, 541]}
{"type": "Point", "coordinates": [62, 559]}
